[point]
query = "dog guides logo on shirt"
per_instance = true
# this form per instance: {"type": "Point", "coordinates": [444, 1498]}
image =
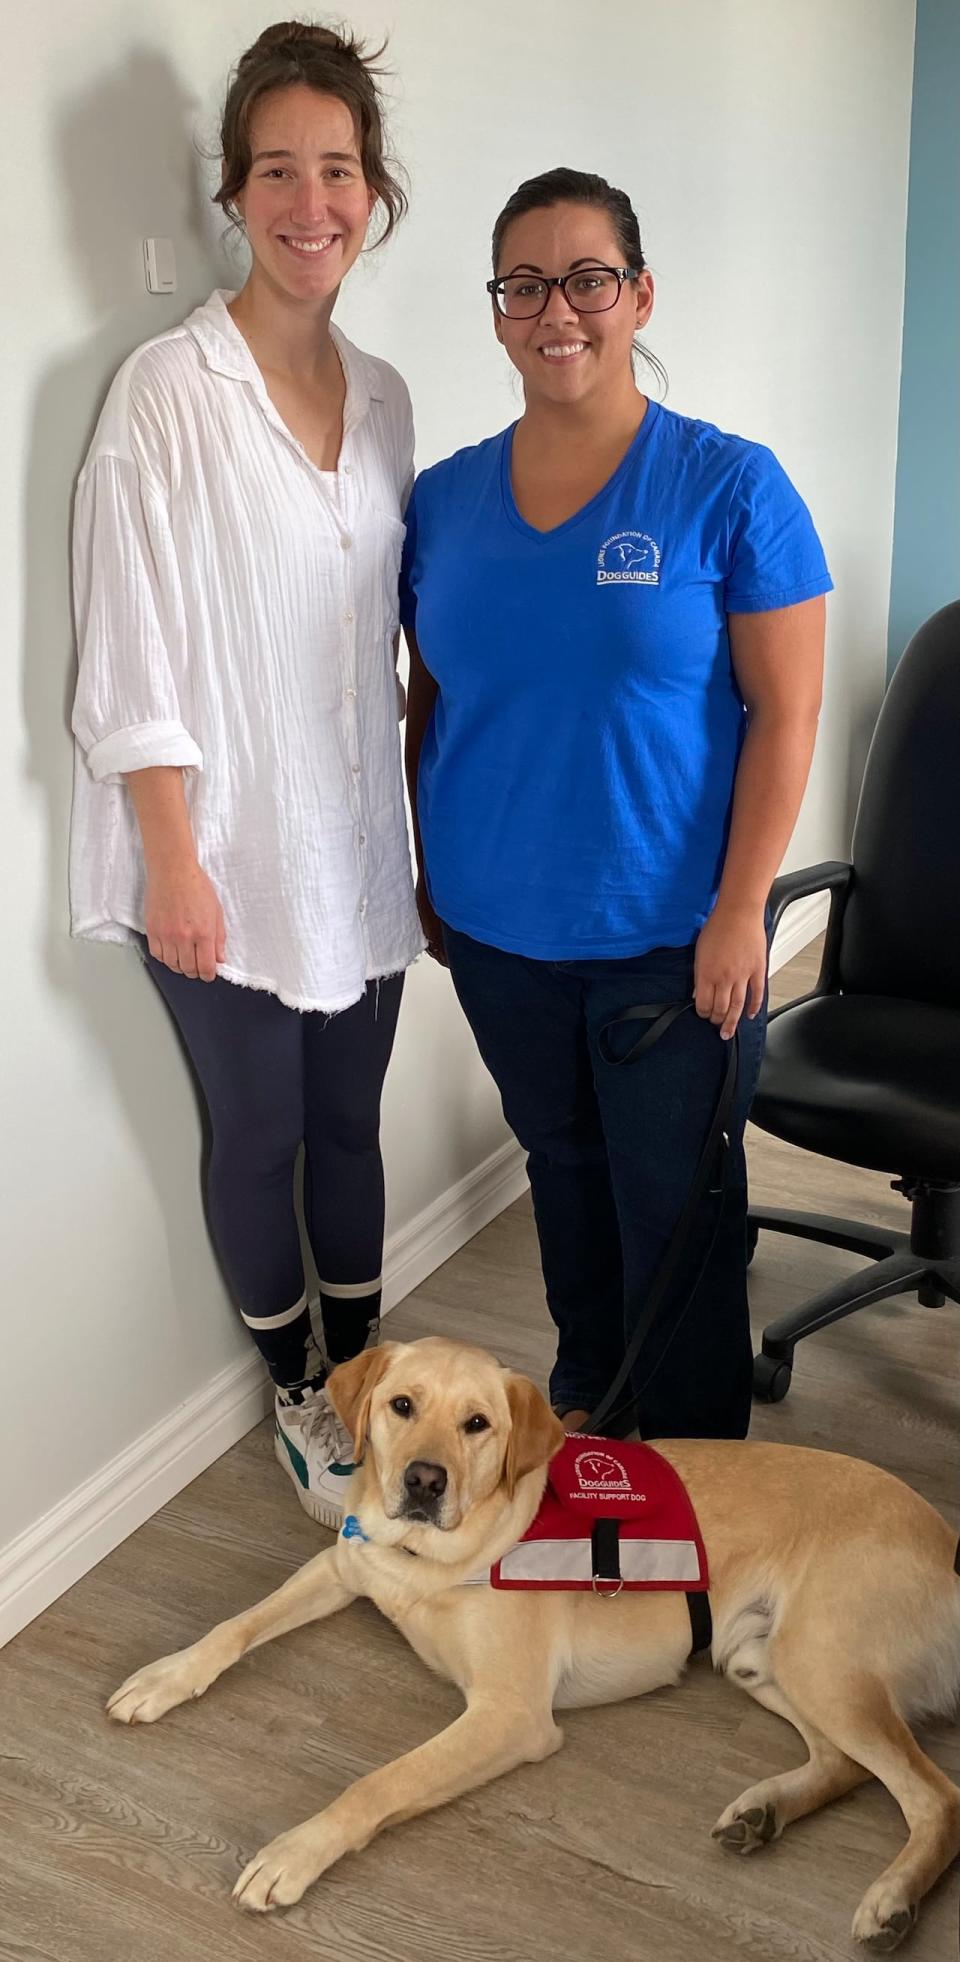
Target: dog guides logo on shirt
{"type": "Point", "coordinates": [629, 558]}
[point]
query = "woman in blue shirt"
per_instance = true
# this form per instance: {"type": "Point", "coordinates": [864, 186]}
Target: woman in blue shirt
{"type": "Point", "coordinates": [616, 618]}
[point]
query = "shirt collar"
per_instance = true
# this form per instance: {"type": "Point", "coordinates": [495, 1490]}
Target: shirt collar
{"type": "Point", "coordinates": [226, 353]}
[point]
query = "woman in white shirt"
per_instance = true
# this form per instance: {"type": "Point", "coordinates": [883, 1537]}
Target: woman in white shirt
{"type": "Point", "coordinates": [238, 796]}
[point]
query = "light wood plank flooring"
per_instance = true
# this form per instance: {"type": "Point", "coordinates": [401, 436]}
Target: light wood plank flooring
{"type": "Point", "coordinates": [122, 1846]}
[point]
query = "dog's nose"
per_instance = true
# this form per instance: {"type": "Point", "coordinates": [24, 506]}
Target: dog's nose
{"type": "Point", "coordinates": [424, 1481]}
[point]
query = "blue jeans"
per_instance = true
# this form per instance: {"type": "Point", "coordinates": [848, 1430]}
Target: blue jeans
{"type": "Point", "coordinates": [612, 1152]}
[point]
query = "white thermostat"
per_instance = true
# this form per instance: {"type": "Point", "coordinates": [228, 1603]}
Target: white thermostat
{"type": "Point", "coordinates": [160, 265]}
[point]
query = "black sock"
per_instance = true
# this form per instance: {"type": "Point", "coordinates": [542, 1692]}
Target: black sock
{"type": "Point", "coordinates": [349, 1325]}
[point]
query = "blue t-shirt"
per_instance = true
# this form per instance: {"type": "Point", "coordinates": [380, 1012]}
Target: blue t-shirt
{"type": "Point", "coordinates": [577, 772]}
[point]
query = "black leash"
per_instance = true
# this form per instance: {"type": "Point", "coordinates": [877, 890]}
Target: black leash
{"type": "Point", "coordinates": [710, 1176]}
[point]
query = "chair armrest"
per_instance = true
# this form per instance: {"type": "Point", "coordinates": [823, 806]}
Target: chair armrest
{"type": "Point", "coordinates": [833, 876]}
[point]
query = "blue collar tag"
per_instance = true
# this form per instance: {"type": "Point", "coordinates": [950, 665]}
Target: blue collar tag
{"type": "Point", "coordinates": [352, 1529]}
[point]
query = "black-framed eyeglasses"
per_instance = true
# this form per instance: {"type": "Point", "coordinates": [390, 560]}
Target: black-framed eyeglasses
{"type": "Point", "coordinates": [591, 289]}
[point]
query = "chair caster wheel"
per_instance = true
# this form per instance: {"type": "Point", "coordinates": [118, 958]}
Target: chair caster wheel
{"type": "Point", "coordinates": [771, 1378]}
{"type": "Point", "coordinates": [753, 1235]}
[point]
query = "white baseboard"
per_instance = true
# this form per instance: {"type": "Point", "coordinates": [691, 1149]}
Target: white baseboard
{"type": "Point", "coordinates": [42, 1562]}
{"type": "Point", "coordinates": [801, 923]}
{"type": "Point", "coordinates": [58, 1549]}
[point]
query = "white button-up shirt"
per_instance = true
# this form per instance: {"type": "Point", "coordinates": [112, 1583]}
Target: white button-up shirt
{"type": "Point", "coordinates": [236, 612]}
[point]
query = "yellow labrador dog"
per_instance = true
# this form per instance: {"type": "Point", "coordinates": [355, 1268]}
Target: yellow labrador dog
{"type": "Point", "coordinates": [832, 1587]}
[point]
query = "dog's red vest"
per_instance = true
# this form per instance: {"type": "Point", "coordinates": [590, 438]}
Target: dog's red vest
{"type": "Point", "coordinates": [612, 1516]}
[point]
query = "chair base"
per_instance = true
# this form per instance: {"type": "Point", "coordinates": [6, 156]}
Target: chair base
{"type": "Point", "coordinates": [925, 1262]}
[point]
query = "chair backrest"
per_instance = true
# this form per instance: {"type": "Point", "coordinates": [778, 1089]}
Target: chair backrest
{"type": "Point", "coordinates": [901, 927]}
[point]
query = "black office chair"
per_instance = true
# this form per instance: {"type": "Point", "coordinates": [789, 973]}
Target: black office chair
{"type": "Point", "coordinates": [866, 1069]}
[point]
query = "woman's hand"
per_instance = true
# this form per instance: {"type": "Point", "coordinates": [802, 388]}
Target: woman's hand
{"type": "Point", "coordinates": [430, 922]}
{"type": "Point", "coordinates": [730, 966]}
{"type": "Point", "coordinates": [184, 919]}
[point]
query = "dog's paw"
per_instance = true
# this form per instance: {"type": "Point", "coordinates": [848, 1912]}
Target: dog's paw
{"type": "Point", "coordinates": [281, 1872]}
{"type": "Point", "coordinates": [745, 1828]}
{"type": "Point", "coordinates": [883, 1918]}
{"type": "Point", "coordinates": [152, 1691]}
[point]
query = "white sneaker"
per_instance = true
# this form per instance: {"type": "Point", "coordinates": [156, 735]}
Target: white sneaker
{"type": "Point", "coordinates": [317, 1454]}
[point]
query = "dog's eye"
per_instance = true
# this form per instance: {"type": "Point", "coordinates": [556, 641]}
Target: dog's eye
{"type": "Point", "coordinates": [477, 1423]}
{"type": "Point", "coordinates": [402, 1406]}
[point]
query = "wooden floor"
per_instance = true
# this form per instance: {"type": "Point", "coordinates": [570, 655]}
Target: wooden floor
{"type": "Point", "coordinates": [122, 1846]}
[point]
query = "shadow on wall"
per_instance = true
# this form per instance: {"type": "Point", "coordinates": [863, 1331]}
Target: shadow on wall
{"type": "Point", "coordinates": [129, 167]}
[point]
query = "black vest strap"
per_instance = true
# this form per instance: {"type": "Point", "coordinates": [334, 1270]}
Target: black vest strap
{"type": "Point", "coordinates": [605, 1549]}
{"type": "Point", "coordinates": [701, 1622]}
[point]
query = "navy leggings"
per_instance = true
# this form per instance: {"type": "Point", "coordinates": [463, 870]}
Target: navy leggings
{"type": "Point", "coordinates": [274, 1079]}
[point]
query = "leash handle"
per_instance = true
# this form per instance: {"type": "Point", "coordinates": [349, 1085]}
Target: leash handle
{"type": "Point", "coordinates": [661, 1017]}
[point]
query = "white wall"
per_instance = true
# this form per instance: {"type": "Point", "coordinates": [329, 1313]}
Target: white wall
{"type": "Point", "coordinates": [766, 148]}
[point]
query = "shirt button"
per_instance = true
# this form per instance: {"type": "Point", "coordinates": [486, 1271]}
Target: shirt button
{"type": "Point", "coordinates": [355, 767]}
{"type": "Point", "coordinates": [363, 908]}
{"type": "Point", "coordinates": [350, 694]}
{"type": "Point", "coordinates": [348, 618]}
{"type": "Point", "coordinates": [363, 838]}
{"type": "Point", "coordinates": [346, 541]}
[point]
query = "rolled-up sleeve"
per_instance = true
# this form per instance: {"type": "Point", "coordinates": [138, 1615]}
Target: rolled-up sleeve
{"type": "Point", "coordinates": [130, 628]}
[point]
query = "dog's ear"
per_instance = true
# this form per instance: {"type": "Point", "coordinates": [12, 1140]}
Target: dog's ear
{"type": "Point", "coordinates": [535, 1433]}
{"type": "Point", "coordinates": [350, 1387]}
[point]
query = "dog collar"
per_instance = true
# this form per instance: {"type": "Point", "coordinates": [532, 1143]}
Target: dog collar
{"type": "Point", "coordinates": [352, 1530]}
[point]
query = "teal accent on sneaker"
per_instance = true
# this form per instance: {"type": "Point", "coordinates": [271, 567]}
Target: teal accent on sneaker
{"type": "Point", "coordinates": [297, 1459]}
{"type": "Point", "coordinates": [340, 1471]}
